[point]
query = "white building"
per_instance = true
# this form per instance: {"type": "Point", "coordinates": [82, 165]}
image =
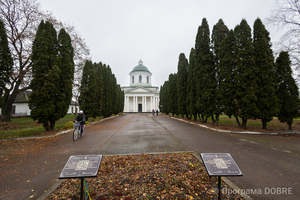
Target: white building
{"type": "Point", "coordinates": [20, 106]}
{"type": "Point", "coordinates": [140, 96]}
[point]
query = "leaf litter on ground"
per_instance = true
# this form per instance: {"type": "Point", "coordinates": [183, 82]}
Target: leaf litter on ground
{"type": "Point", "coordinates": [147, 176]}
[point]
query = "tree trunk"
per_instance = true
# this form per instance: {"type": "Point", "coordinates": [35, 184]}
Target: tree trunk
{"type": "Point", "coordinates": [8, 102]}
{"type": "Point", "coordinates": [6, 110]}
{"type": "Point", "coordinates": [216, 123]}
{"type": "Point", "coordinates": [52, 125]}
{"type": "Point", "coordinates": [213, 120]}
{"type": "Point", "coordinates": [195, 117]}
{"type": "Point", "coordinates": [9, 99]}
{"type": "Point", "coordinates": [290, 126]}
{"type": "Point", "coordinates": [238, 121]}
{"type": "Point", "coordinates": [264, 123]}
{"type": "Point", "coordinates": [244, 123]}
{"type": "Point", "coordinates": [46, 126]}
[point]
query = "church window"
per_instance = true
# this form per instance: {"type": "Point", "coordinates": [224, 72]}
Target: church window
{"type": "Point", "coordinates": [147, 79]}
{"type": "Point", "coordinates": [140, 79]}
{"type": "Point", "coordinates": [132, 79]}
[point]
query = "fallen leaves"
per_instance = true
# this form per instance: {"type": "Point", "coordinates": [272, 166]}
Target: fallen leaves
{"type": "Point", "coordinates": [160, 176]}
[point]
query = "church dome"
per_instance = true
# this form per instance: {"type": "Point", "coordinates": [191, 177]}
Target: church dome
{"type": "Point", "coordinates": [140, 67]}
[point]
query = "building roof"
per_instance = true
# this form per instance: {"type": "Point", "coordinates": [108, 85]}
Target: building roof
{"type": "Point", "coordinates": [23, 97]}
{"type": "Point", "coordinates": [140, 67]}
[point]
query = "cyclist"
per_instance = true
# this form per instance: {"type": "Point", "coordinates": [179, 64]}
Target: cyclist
{"type": "Point", "coordinates": [81, 118]}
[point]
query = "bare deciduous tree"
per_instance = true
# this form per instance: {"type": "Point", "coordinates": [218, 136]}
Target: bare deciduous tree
{"type": "Point", "coordinates": [286, 17]}
{"type": "Point", "coordinates": [21, 19]}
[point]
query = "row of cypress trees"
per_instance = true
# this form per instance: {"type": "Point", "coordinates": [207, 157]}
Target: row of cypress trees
{"type": "Point", "coordinates": [53, 74]}
{"type": "Point", "coordinates": [235, 74]}
{"type": "Point", "coordinates": [100, 95]}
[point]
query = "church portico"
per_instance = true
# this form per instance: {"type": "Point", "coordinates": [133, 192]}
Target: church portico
{"type": "Point", "coordinates": [140, 103]}
{"type": "Point", "coordinates": [140, 96]}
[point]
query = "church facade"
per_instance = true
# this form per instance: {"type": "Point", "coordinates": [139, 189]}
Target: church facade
{"type": "Point", "coordinates": [140, 95]}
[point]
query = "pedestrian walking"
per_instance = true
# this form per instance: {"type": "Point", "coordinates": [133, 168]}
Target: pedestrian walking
{"type": "Point", "coordinates": [156, 112]}
{"type": "Point", "coordinates": [153, 112]}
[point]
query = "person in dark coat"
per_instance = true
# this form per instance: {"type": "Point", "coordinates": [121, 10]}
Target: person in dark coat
{"type": "Point", "coordinates": [156, 112]}
{"type": "Point", "coordinates": [81, 118]}
{"type": "Point", "coordinates": [153, 112]}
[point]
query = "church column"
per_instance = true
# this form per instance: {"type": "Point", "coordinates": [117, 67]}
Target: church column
{"type": "Point", "coordinates": [135, 105]}
{"type": "Point", "coordinates": [145, 104]}
{"type": "Point", "coordinates": [133, 99]}
{"type": "Point", "coordinates": [127, 100]}
{"type": "Point", "coordinates": [151, 103]}
{"type": "Point", "coordinates": [128, 105]}
{"type": "Point", "coordinates": [125, 105]}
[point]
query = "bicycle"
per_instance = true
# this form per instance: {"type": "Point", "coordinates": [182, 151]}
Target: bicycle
{"type": "Point", "coordinates": [77, 131]}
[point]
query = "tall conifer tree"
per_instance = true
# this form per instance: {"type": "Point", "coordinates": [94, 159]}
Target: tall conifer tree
{"type": "Point", "coordinates": [205, 72]}
{"type": "Point", "coordinates": [121, 99]}
{"type": "Point", "coordinates": [228, 75]}
{"type": "Point", "coordinates": [99, 88]}
{"type": "Point", "coordinates": [245, 96]}
{"type": "Point", "coordinates": [182, 79]}
{"type": "Point", "coordinates": [66, 55]}
{"type": "Point", "coordinates": [87, 98]}
{"type": "Point", "coordinates": [267, 102]}
{"type": "Point", "coordinates": [164, 98]}
{"type": "Point", "coordinates": [219, 33]}
{"type": "Point", "coordinates": [114, 95]}
{"type": "Point", "coordinates": [191, 99]}
{"type": "Point", "coordinates": [6, 62]}
{"type": "Point", "coordinates": [105, 84]}
{"type": "Point", "coordinates": [109, 89]}
{"type": "Point", "coordinates": [172, 94]}
{"type": "Point", "coordinates": [288, 91]}
{"type": "Point", "coordinates": [46, 73]}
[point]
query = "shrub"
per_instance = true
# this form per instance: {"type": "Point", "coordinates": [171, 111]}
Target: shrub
{"type": "Point", "coordinates": [68, 125]}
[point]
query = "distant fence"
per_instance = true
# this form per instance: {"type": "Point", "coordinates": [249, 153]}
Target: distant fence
{"type": "Point", "coordinates": [20, 114]}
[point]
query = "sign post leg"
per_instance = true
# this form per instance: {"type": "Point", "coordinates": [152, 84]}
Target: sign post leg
{"type": "Point", "coordinates": [219, 196]}
{"type": "Point", "coordinates": [81, 195]}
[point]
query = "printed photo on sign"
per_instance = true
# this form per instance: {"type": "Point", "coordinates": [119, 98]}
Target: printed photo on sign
{"type": "Point", "coordinates": [220, 164]}
{"type": "Point", "coordinates": [82, 165]}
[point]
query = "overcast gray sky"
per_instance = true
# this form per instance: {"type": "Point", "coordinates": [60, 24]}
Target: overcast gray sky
{"type": "Point", "coordinates": [121, 32]}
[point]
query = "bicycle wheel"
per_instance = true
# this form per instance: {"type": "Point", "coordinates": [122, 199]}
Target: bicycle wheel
{"type": "Point", "coordinates": [75, 134]}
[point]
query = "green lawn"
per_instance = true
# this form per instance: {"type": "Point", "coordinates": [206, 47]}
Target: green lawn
{"type": "Point", "coordinates": [274, 124]}
{"type": "Point", "coordinates": [28, 127]}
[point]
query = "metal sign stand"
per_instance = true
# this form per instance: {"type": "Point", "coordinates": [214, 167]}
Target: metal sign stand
{"type": "Point", "coordinates": [83, 166]}
{"type": "Point", "coordinates": [81, 195]}
{"type": "Point", "coordinates": [220, 164]}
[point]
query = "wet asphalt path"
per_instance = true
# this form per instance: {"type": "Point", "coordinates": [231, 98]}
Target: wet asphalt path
{"type": "Point", "coordinates": [29, 168]}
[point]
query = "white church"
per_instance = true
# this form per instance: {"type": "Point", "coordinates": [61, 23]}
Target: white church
{"type": "Point", "coordinates": [140, 96]}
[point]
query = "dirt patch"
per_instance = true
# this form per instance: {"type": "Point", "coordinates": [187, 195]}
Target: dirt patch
{"type": "Point", "coordinates": [162, 176]}
{"type": "Point", "coordinates": [11, 126]}
{"type": "Point", "coordinates": [8, 126]}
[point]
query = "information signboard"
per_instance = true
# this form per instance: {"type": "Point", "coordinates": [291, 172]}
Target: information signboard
{"type": "Point", "coordinates": [82, 166]}
{"type": "Point", "coordinates": [220, 164]}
